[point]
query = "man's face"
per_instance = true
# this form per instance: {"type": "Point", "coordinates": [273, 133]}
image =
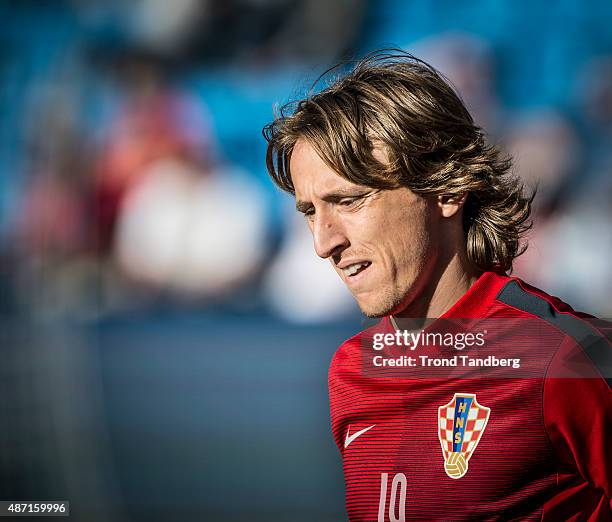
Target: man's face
{"type": "Point", "coordinates": [381, 242]}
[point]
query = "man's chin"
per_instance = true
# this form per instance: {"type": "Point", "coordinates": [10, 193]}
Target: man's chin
{"type": "Point", "coordinates": [381, 307]}
{"type": "Point", "coordinates": [373, 311]}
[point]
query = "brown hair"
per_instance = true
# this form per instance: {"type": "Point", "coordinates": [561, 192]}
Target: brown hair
{"type": "Point", "coordinates": [394, 100]}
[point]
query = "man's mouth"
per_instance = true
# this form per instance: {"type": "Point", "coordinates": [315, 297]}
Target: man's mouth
{"type": "Point", "coordinates": [353, 270]}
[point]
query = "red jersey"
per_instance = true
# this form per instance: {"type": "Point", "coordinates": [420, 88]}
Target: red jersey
{"type": "Point", "coordinates": [462, 431]}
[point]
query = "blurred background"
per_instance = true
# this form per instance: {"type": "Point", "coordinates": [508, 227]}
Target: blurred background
{"type": "Point", "coordinates": [165, 325]}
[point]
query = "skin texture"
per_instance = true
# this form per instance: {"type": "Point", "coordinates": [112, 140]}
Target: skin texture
{"type": "Point", "coordinates": [414, 244]}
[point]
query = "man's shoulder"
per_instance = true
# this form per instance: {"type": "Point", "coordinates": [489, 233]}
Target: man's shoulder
{"type": "Point", "coordinates": [518, 298]}
{"type": "Point", "coordinates": [528, 299]}
{"type": "Point", "coordinates": [496, 294]}
{"type": "Point", "coordinates": [544, 312]}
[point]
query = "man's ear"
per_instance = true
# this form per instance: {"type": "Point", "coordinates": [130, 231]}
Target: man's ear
{"type": "Point", "coordinates": [449, 205]}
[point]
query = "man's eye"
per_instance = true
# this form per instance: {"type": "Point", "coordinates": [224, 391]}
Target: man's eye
{"type": "Point", "coordinates": [309, 213]}
{"type": "Point", "coordinates": [347, 202]}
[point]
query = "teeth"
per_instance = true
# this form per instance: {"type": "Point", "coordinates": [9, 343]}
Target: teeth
{"type": "Point", "coordinates": [353, 269]}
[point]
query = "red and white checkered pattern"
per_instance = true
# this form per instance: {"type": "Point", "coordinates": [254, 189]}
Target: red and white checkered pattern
{"type": "Point", "coordinates": [476, 422]}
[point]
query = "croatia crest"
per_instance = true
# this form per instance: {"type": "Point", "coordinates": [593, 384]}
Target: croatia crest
{"type": "Point", "coordinates": [461, 423]}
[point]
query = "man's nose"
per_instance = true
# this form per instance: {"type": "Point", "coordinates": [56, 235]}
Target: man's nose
{"type": "Point", "coordinates": [329, 236]}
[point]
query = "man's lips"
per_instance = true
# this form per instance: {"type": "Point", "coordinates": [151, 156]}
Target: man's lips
{"type": "Point", "coordinates": [353, 271]}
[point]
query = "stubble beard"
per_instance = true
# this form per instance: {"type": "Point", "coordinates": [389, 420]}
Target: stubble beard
{"type": "Point", "coordinates": [388, 302]}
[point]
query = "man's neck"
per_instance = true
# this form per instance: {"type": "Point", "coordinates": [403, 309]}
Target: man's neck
{"type": "Point", "coordinates": [448, 285]}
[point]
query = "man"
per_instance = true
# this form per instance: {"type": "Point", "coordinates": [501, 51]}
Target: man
{"type": "Point", "coordinates": [511, 418]}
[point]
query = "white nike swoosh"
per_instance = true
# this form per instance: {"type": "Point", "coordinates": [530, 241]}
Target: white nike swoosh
{"type": "Point", "coordinates": [350, 439]}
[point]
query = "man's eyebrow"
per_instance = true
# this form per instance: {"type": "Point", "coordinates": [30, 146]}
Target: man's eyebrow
{"type": "Point", "coordinates": [333, 197]}
{"type": "Point", "coordinates": [302, 206]}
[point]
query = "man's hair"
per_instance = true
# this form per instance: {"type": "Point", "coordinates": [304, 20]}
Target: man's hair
{"type": "Point", "coordinates": [392, 100]}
